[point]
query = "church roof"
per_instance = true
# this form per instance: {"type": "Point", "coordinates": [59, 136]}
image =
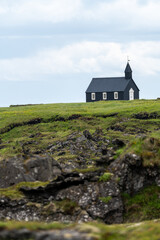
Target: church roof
{"type": "Point", "coordinates": [108, 84]}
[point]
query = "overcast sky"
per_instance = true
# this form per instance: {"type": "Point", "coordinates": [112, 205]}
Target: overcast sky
{"type": "Point", "coordinates": [51, 49]}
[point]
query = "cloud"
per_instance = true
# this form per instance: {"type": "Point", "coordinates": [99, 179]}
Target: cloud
{"type": "Point", "coordinates": [20, 12]}
{"type": "Point", "coordinates": [95, 58]}
{"type": "Point", "coordinates": [122, 14]}
{"type": "Point", "coordinates": [126, 14]}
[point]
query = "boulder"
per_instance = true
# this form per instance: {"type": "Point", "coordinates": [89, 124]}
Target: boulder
{"type": "Point", "coordinates": [36, 168]}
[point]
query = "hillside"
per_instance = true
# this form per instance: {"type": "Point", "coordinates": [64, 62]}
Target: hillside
{"type": "Point", "coordinates": [54, 122]}
{"type": "Point", "coordinates": [81, 162]}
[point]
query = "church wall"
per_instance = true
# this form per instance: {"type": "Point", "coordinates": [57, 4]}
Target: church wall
{"type": "Point", "coordinates": [110, 96]}
{"type": "Point", "coordinates": [126, 92]}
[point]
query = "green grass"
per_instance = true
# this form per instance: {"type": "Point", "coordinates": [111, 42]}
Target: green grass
{"type": "Point", "coordinates": [144, 205]}
{"type": "Point", "coordinates": [119, 152]}
{"type": "Point", "coordinates": [148, 148]}
{"type": "Point", "coordinates": [48, 111]}
{"type": "Point", "coordinates": [137, 134]}
{"type": "Point", "coordinates": [92, 116]}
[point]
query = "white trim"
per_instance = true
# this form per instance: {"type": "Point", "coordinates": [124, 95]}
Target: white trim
{"type": "Point", "coordinates": [104, 95]}
{"type": "Point", "coordinates": [131, 94]}
{"type": "Point", "coordinates": [115, 95]}
{"type": "Point", "coordinates": [93, 96]}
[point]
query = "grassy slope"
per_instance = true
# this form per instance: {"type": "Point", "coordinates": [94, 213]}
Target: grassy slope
{"type": "Point", "coordinates": [17, 114]}
{"type": "Point", "coordinates": [49, 131]}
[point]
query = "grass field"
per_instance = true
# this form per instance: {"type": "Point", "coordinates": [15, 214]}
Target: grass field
{"type": "Point", "coordinates": [47, 111]}
{"type": "Point", "coordinates": [49, 123]}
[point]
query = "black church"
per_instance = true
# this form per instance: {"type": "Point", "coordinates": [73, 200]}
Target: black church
{"type": "Point", "coordinates": [114, 88]}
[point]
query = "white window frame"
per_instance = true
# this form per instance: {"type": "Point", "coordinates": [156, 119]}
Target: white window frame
{"type": "Point", "coordinates": [93, 96]}
{"type": "Point", "coordinates": [131, 94]}
{"type": "Point", "coordinates": [115, 95]}
{"type": "Point", "coordinates": [104, 95]}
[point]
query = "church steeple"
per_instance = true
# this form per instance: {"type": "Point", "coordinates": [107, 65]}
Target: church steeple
{"type": "Point", "coordinates": [128, 71]}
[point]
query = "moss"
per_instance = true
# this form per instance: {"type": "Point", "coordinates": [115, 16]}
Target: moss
{"type": "Point", "coordinates": [68, 206]}
{"type": "Point", "coordinates": [34, 204]}
{"type": "Point", "coordinates": [49, 209]}
{"type": "Point", "coordinates": [117, 179]}
{"type": "Point", "coordinates": [86, 170]}
{"type": "Point", "coordinates": [105, 177]}
{"type": "Point", "coordinates": [13, 192]}
{"type": "Point", "coordinates": [145, 205]}
{"type": "Point", "coordinates": [32, 225]}
{"type": "Point", "coordinates": [105, 199]}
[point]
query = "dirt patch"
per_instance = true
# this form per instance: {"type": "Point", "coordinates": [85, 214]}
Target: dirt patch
{"type": "Point", "coordinates": [37, 121]}
{"type": "Point", "coordinates": [145, 115]}
{"type": "Point", "coordinates": [14, 125]}
{"type": "Point", "coordinates": [106, 115]}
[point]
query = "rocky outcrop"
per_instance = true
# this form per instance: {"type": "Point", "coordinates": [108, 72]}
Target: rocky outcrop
{"type": "Point", "coordinates": [71, 197]}
{"type": "Point", "coordinates": [85, 188]}
{"type": "Point", "coordinates": [83, 197]}
{"type": "Point", "coordinates": [36, 168]}
{"type": "Point", "coordinates": [132, 175]}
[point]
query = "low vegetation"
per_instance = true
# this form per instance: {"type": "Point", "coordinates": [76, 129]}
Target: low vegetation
{"type": "Point", "coordinates": [40, 129]}
{"type": "Point", "coordinates": [14, 192]}
{"type": "Point", "coordinates": [105, 177]}
{"type": "Point", "coordinates": [66, 206]}
{"type": "Point", "coordinates": [31, 129]}
{"type": "Point", "coordinates": [34, 226]}
{"type": "Point", "coordinates": [139, 231]}
{"type": "Point", "coordinates": [143, 205]}
{"type": "Point", "coordinates": [105, 199]}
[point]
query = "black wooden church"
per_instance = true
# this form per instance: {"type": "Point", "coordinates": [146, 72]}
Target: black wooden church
{"type": "Point", "coordinates": [115, 88]}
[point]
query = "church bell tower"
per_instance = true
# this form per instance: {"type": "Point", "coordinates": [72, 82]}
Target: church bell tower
{"type": "Point", "coordinates": [128, 71]}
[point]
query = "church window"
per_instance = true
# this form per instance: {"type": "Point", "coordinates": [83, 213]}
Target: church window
{"type": "Point", "coordinates": [104, 95]}
{"type": "Point", "coordinates": [115, 95]}
{"type": "Point", "coordinates": [93, 96]}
